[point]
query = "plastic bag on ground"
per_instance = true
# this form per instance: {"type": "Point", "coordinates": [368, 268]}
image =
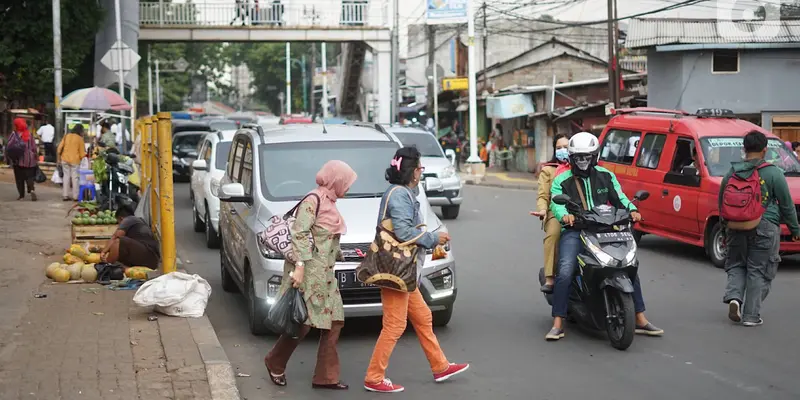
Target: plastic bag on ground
{"type": "Point", "coordinates": [289, 313]}
{"type": "Point", "coordinates": [176, 294]}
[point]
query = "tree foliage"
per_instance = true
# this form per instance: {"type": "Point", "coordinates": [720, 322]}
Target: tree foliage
{"type": "Point", "coordinates": [26, 45]}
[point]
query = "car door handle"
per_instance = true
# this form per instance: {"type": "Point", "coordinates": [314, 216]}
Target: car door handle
{"type": "Point", "coordinates": [665, 192]}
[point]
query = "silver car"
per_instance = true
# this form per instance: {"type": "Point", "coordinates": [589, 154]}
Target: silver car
{"type": "Point", "coordinates": [442, 184]}
{"type": "Point", "coordinates": [270, 171]}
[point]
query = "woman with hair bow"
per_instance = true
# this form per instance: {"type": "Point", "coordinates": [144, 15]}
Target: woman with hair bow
{"type": "Point", "coordinates": [401, 205]}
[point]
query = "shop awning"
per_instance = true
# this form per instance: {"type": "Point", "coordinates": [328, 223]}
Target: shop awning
{"type": "Point", "coordinates": [411, 108]}
{"type": "Point", "coordinates": [575, 110]}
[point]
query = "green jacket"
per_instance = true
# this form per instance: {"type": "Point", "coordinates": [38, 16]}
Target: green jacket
{"type": "Point", "coordinates": [775, 194]}
{"type": "Point", "coordinates": [601, 187]}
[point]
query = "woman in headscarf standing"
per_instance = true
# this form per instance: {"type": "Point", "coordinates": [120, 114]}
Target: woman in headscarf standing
{"type": "Point", "coordinates": [402, 207]}
{"type": "Point", "coordinates": [23, 156]}
{"type": "Point", "coordinates": [313, 274]}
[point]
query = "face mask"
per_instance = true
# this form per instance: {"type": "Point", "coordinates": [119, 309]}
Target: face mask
{"type": "Point", "coordinates": [582, 161]}
{"type": "Point", "coordinates": [562, 155]}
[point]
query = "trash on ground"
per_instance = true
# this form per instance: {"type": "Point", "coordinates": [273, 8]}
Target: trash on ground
{"type": "Point", "coordinates": [40, 295]}
{"type": "Point", "coordinates": [152, 318]}
{"type": "Point", "coordinates": [175, 294]}
{"type": "Point", "coordinates": [242, 375]}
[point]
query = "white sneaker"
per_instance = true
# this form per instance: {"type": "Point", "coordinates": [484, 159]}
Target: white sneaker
{"type": "Point", "coordinates": [753, 323]}
{"type": "Point", "coordinates": [734, 311]}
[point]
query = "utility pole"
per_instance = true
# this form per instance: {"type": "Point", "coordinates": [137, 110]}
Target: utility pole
{"type": "Point", "coordinates": [149, 82]}
{"type": "Point", "coordinates": [473, 101]}
{"type": "Point", "coordinates": [303, 76]}
{"type": "Point", "coordinates": [395, 59]}
{"type": "Point", "coordinates": [432, 64]}
{"type": "Point", "coordinates": [324, 81]}
{"type": "Point", "coordinates": [121, 73]}
{"type": "Point", "coordinates": [617, 72]}
{"type": "Point", "coordinates": [485, 45]}
{"type": "Point", "coordinates": [611, 46]}
{"type": "Point", "coordinates": [57, 64]}
{"type": "Point", "coordinates": [288, 79]}
{"type": "Point", "coordinates": [313, 70]}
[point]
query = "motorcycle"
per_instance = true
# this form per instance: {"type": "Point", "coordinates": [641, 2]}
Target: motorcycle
{"type": "Point", "coordinates": [116, 188]}
{"type": "Point", "coordinates": [601, 296]}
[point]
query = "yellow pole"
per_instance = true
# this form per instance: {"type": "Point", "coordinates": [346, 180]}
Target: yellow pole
{"type": "Point", "coordinates": [153, 175]}
{"type": "Point", "coordinates": [165, 192]}
{"type": "Point", "coordinates": [144, 128]}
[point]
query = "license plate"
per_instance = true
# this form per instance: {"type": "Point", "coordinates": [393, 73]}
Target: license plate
{"type": "Point", "coordinates": [347, 280]}
{"type": "Point", "coordinates": [611, 237]}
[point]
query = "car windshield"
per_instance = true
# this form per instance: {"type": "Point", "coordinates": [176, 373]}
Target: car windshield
{"type": "Point", "coordinates": [720, 152]}
{"type": "Point", "coordinates": [427, 145]}
{"type": "Point", "coordinates": [185, 143]}
{"type": "Point", "coordinates": [223, 125]}
{"type": "Point", "coordinates": [221, 158]}
{"type": "Point", "coordinates": [289, 170]}
{"type": "Point", "coordinates": [178, 128]}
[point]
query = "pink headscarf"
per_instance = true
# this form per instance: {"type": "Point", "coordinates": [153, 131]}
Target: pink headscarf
{"type": "Point", "coordinates": [334, 180]}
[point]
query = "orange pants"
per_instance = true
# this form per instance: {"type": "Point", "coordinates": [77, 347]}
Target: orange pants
{"type": "Point", "coordinates": [398, 307]}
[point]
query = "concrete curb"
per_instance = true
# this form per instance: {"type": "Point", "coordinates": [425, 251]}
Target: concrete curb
{"type": "Point", "coordinates": [503, 185]}
{"type": "Point", "coordinates": [221, 378]}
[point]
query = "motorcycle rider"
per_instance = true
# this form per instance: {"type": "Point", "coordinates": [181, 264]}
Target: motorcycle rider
{"type": "Point", "coordinates": [590, 185]}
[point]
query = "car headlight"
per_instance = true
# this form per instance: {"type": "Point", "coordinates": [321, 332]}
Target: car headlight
{"type": "Point", "coordinates": [273, 288]}
{"type": "Point", "coordinates": [604, 258]}
{"type": "Point", "coordinates": [446, 248]}
{"type": "Point", "coordinates": [266, 251]}
{"type": "Point", "coordinates": [214, 187]}
{"type": "Point", "coordinates": [447, 172]}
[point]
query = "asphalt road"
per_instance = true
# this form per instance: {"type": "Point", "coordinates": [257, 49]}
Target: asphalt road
{"type": "Point", "coordinates": [501, 318]}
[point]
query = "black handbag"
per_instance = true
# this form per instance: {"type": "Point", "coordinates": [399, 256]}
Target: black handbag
{"type": "Point", "coordinates": [40, 176]}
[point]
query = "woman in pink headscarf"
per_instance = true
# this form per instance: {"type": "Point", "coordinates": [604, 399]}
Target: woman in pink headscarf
{"type": "Point", "coordinates": [317, 217]}
{"type": "Point", "coordinates": [22, 153]}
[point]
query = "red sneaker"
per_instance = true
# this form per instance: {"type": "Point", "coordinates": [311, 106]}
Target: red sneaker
{"type": "Point", "coordinates": [452, 370]}
{"type": "Point", "coordinates": [385, 386]}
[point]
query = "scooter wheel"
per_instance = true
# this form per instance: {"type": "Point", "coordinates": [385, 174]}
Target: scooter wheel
{"type": "Point", "coordinates": [621, 326]}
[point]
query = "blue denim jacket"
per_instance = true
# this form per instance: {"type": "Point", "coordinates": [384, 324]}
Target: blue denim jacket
{"type": "Point", "coordinates": [404, 211]}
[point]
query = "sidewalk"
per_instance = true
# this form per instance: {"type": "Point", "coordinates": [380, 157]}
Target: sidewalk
{"type": "Point", "coordinates": [84, 341]}
{"type": "Point", "coordinates": [506, 180]}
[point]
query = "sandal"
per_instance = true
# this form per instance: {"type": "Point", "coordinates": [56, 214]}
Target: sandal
{"type": "Point", "coordinates": [278, 380]}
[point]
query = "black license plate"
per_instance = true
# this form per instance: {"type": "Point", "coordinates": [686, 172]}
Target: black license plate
{"type": "Point", "coordinates": [611, 237]}
{"type": "Point", "coordinates": [347, 280]}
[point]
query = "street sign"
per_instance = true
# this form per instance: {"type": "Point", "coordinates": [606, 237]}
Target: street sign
{"type": "Point", "coordinates": [439, 72]}
{"type": "Point", "coordinates": [455, 84]}
{"type": "Point", "coordinates": [181, 65]}
{"type": "Point", "coordinates": [129, 57]}
{"type": "Point", "coordinates": [446, 12]}
{"type": "Point", "coordinates": [281, 96]}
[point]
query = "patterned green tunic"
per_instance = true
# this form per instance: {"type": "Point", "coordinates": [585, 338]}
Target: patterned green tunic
{"type": "Point", "coordinates": [320, 287]}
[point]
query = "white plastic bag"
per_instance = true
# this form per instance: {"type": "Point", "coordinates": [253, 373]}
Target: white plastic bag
{"type": "Point", "coordinates": [175, 294]}
{"type": "Point", "coordinates": [56, 178]}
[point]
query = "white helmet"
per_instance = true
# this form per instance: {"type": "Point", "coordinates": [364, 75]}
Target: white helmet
{"type": "Point", "coordinates": [583, 143]}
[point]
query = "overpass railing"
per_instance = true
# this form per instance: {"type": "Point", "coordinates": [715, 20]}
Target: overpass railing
{"type": "Point", "coordinates": [276, 13]}
{"type": "Point", "coordinates": [156, 170]}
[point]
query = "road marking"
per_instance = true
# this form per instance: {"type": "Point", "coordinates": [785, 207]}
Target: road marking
{"type": "Point", "coordinates": [722, 379]}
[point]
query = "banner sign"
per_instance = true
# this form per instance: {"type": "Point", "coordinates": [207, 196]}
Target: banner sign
{"type": "Point", "coordinates": [505, 107]}
{"type": "Point", "coordinates": [446, 12]}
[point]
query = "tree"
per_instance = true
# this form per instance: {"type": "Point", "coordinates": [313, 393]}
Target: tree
{"type": "Point", "coordinates": [26, 46]}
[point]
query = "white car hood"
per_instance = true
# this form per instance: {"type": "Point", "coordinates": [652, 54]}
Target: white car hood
{"type": "Point", "coordinates": [360, 216]}
{"type": "Point", "coordinates": [435, 164]}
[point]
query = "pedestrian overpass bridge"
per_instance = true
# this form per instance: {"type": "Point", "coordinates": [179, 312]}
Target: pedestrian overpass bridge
{"type": "Point", "coordinates": [361, 25]}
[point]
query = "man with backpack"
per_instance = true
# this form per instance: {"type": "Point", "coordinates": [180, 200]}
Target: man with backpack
{"type": "Point", "coordinates": [753, 201]}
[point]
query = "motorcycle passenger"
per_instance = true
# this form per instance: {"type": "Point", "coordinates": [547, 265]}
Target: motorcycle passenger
{"type": "Point", "coordinates": [550, 224]}
{"type": "Point", "coordinates": [589, 185]}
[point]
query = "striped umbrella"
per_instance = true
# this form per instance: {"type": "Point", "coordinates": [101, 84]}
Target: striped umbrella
{"type": "Point", "coordinates": [95, 98]}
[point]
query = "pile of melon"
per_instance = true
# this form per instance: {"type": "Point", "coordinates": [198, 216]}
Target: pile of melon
{"type": "Point", "coordinates": [78, 266]}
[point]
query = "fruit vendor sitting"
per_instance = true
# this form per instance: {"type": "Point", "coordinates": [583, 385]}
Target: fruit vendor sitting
{"type": "Point", "coordinates": [133, 244]}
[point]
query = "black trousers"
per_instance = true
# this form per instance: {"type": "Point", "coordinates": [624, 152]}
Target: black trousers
{"type": "Point", "coordinates": [24, 175]}
{"type": "Point", "coordinates": [49, 152]}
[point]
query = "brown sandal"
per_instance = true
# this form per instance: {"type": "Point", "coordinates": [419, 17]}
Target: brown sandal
{"type": "Point", "coordinates": [278, 380]}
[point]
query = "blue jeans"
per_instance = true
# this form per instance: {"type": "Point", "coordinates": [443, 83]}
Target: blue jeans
{"type": "Point", "coordinates": [568, 249]}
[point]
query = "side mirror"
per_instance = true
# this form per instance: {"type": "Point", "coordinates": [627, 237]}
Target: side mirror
{"type": "Point", "coordinates": [199, 165]}
{"type": "Point", "coordinates": [232, 193]}
{"type": "Point", "coordinates": [561, 199]}
{"type": "Point", "coordinates": [641, 195]}
{"type": "Point", "coordinates": [689, 170]}
{"type": "Point", "coordinates": [451, 155]}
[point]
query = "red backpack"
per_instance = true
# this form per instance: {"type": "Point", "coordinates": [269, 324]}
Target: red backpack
{"type": "Point", "coordinates": [741, 198]}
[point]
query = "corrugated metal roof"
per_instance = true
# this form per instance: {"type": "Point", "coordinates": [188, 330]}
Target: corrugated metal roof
{"type": "Point", "coordinates": [655, 32]}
